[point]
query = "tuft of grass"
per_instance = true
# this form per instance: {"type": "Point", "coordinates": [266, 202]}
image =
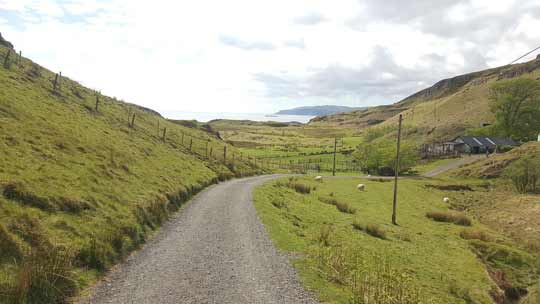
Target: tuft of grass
{"type": "Point", "coordinates": [9, 247]}
{"type": "Point", "coordinates": [325, 234]}
{"type": "Point", "coordinates": [279, 203]}
{"type": "Point", "coordinates": [18, 192]}
{"type": "Point", "coordinates": [372, 229]}
{"type": "Point", "coordinates": [475, 234]}
{"type": "Point", "coordinates": [450, 217]}
{"type": "Point", "coordinates": [341, 206]}
{"type": "Point", "coordinates": [44, 276]}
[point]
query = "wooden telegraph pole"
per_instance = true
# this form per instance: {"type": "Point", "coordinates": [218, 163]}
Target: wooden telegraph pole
{"type": "Point", "coordinates": [394, 205]}
{"type": "Point", "coordinates": [335, 149]}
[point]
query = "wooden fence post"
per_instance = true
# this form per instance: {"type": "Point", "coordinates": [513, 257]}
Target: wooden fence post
{"type": "Point", "coordinates": [190, 143]}
{"type": "Point", "coordinates": [6, 59]}
{"type": "Point", "coordinates": [206, 149]}
{"type": "Point", "coordinates": [211, 152]}
{"type": "Point", "coordinates": [394, 204]}
{"type": "Point", "coordinates": [133, 121]}
{"type": "Point", "coordinates": [164, 134]}
{"type": "Point", "coordinates": [20, 58]}
{"type": "Point", "coordinates": [334, 166]}
{"type": "Point", "coordinates": [55, 84]}
{"type": "Point", "coordinates": [97, 102]}
{"type": "Point", "coordinates": [224, 154]}
{"type": "Point", "coordinates": [157, 128]}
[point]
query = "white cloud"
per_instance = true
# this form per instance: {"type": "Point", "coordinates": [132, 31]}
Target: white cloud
{"type": "Point", "coordinates": [210, 55]}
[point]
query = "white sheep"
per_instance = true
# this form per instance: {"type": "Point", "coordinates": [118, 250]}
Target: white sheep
{"type": "Point", "coordinates": [318, 178]}
{"type": "Point", "coordinates": [446, 200]}
{"type": "Point", "coordinates": [361, 187]}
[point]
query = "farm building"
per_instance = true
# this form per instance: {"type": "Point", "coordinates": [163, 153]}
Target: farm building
{"type": "Point", "coordinates": [481, 144]}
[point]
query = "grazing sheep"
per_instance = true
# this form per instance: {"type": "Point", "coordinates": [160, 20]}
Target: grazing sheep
{"type": "Point", "coordinates": [318, 178]}
{"type": "Point", "coordinates": [446, 200]}
{"type": "Point", "coordinates": [361, 187]}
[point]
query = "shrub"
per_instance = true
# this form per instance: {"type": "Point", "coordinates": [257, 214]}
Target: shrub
{"type": "Point", "coordinates": [450, 217]}
{"type": "Point", "coordinates": [372, 229]}
{"type": "Point", "coordinates": [301, 188]}
{"type": "Point", "coordinates": [96, 255]}
{"type": "Point", "coordinates": [524, 174]}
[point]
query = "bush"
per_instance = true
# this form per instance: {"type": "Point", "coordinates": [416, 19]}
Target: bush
{"type": "Point", "coordinates": [450, 217]}
{"type": "Point", "coordinates": [380, 157]}
{"type": "Point", "coordinates": [524, 174]}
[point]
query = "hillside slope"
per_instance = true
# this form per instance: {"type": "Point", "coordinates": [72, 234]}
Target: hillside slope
{"type": "Point", "coordinates": [437, 113]}
{"type": "Point", "coordinates": [316, 110]}
{"type": "Point", "coordinates": [80, 188]}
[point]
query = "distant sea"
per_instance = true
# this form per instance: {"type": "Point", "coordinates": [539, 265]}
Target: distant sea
{"type": "Point", "coordinates": [205, 117]}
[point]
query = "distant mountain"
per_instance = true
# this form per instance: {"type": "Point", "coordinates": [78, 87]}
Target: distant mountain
{"type": "Point", "coordinates": [317, 110]}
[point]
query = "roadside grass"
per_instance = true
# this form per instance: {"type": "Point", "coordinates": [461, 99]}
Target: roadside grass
{"type": "Point", "coordinates": [439, 263]}
{"type": "Point", "coordinates": [76, 178]}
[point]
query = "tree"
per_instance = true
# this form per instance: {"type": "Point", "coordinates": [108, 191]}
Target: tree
{"type": "Point", "coordinates": [379, 157]}
{"type": "Point", "coordinates": [516, 105]}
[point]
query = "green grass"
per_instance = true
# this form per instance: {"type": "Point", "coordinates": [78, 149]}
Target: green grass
{"type": "Point", "coordinates": [72, 177]}
{"type": "Point", "coordinates": [442, 265]}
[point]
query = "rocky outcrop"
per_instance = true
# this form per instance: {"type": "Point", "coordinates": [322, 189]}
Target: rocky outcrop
{"type": "Point", "coordinates": [4, 42]}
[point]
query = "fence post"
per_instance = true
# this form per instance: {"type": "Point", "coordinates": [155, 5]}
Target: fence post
{"type": "Point", "coordinates": [164, 134]}
{"type": "Point", "coordinates": [55, 84]}
{"type": "Point", "coordinates": [20, 58]}
{"type": "Point", "coordinates": [211, 151]}
{"type": "Point", "coordinates": [334, 166]}
{"type": "Point", "coordinates": [190, 143]}
{"type": "Point", "coordinates": [97, 102]}
{"type": "Point", "coordinates": [206, 149]}
{"type": "Point", "coordinates": [133, 121]}
{"type": "Point", "coordinates": [6, 60]}
{"type": "Point", "coordinates": [225, 154]}
{"type": "Point", "coordinates": [394, 205]}
{"type": "Point", "coordinates": [157, 128]}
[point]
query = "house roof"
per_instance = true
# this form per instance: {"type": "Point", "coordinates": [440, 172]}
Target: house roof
{"type": "Point", "coordinates": [487, 141]}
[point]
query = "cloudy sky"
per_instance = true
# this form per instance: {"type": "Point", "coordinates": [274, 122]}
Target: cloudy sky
{"type": "Point", "coordinates": [260, 56]}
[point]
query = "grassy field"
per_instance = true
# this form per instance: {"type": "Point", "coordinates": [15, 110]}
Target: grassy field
{"type": "Point", "coordinates": [340, 235]}
{"type": "Point", "coordinates": [290, 144]}
{"type": "Point", "coordinates": [80, 188]}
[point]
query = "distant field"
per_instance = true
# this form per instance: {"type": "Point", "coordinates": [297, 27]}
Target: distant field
{"type": "Point", "coordinates": [291, 145]}
{"type": "Point", "coordinates": [319, 229]}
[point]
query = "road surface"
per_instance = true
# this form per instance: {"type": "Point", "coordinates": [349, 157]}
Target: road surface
{"type": "Point", "coordinates": [214, 251]}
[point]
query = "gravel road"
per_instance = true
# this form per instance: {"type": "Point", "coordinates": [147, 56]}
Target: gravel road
{"type": "Point", "coordinates": [453, 165]}
{"type": "Point", "coordinates": [214, 251]}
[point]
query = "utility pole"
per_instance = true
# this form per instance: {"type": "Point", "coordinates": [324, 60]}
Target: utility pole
{"type": "Point", "coordinates": [394, 205]}
{"type": "Point", "coordinates": [335, 149]}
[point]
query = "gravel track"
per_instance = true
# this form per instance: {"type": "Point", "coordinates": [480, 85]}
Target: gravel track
{"type": "Point", "coordinates": [213, 251]}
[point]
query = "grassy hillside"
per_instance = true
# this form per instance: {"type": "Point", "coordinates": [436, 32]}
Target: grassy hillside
{"type": "Point", "coordinates": [437, 113]}
{"type": "Point", "coordinates": [80, 188]}
{"type": "Point", "coordinates": [492, 167]}
{"type": "Point", "coordinates": [346, 246]}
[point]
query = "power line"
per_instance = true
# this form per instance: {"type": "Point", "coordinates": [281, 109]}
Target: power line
{"type": "Point", "coordinates": [525, 55]}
